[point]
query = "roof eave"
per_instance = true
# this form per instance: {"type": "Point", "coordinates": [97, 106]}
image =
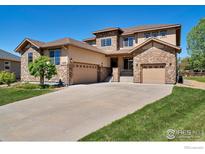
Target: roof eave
{"type": "Point", "coordinates": [152, 29]}
{"type": "Point", "coordinates": [178, 49]}
{"type": "Point", "coordinates": [26, 39]}
{"type": "Point", "coordinates": [103, 31]}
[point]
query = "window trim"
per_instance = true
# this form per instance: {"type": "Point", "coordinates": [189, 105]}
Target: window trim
{"type": "Point", "coordinates": [106, 43]}
{"type": "Point", "coordinates": [128, 41]}
{"type": "Point", "coordinates": [160, 33]}
{"type": "Point", "coordinates": [145, 34]}
{"type": "Point", "coordinates": [53, 59]}
{"type": "Point", "coordinates": [157, 34]}
{"type": "Point", "coordinates": [7, 65]}
{"type": "Point", "coordinates": [30, 61]}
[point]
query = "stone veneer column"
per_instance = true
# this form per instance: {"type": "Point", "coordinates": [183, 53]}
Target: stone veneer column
{"type": "Point", "coordinates": [116, 74]}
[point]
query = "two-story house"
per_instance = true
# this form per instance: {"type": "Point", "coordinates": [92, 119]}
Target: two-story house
{"type": "Point", "coordinates": [148, 54]}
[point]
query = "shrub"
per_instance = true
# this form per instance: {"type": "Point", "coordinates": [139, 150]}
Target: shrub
{"type": "Point", "coordinates": [7, 77]}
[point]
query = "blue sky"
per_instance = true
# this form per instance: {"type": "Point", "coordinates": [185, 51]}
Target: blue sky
{"type": "Point", "coordinates": [47, 23]}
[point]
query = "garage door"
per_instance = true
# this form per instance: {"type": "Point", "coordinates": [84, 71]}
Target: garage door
{"type": "Point", "coordinates": [153, 74]}
{"type": "Point", "coordinates": [84, 73]}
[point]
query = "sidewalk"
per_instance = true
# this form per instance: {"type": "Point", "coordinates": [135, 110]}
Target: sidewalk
{"type": "Point", "coordinates": [192, 84]}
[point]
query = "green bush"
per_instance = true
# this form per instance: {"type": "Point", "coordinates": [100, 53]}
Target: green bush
{"type": "Point", "coordinates": [7, 77]}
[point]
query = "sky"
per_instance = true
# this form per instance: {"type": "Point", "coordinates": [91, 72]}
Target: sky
{"type": "Point", "coordinates": [48, 23]}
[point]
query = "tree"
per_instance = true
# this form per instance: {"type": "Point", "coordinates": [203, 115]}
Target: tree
{"type": "Point", "coordinates": [196, 45]}
{"type": "Point", "coordinates": [42, 68]}
{"type": "Point", "coordinates": [7, 77]}
{"type": "Point", "coordinates": [185, 64]}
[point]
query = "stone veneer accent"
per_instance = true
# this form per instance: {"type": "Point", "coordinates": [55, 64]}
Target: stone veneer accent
{"type": "Point", "coordinates": [155, 53]}
{"type": "Point", "coordinates": [114, 35]}
{"type": "Point", "coordinates": [25, 76]}
{"type": "Point", "coordinates": [104, 73]}
{"type": "Point", "coordinates": [116, 74]}
{"type": "Point", "coordinates": [62, 69]}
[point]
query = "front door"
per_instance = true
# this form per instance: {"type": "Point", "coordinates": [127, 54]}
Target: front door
{"type": "Point", "coordinates": [114, 62]}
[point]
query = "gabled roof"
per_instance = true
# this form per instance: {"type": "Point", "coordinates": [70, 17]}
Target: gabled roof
{"type": "Point", "coordinates": [130, 51]}
{"type": "Point", "coordinates": [89, 39]}
{"type": "Point", "coordinates": [155, 40]}
{"type": "Point", "coordinates": [136, 29]}
{"type": "Point", "coordinates": [58, 43]}
{"type": "Point", "coordinates": [107, 29]}
{"type": "Point", "coordinates": [9, 56]}
{"type": "Point", "coordinates": [143, 28]}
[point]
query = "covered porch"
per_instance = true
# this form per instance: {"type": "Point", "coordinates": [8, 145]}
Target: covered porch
{"type": "Point", "coordinates": [123, 63]}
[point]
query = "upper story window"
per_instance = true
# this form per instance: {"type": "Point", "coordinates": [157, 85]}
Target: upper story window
{"type": "Point", "coordinates": [30, 57]}
{"type": "Point", "coordinates": [154, 34]}
{"type": "Point", "coordinates": [128, 41]}
{"type": "Point", "coordinates": [163, 33]}
{"type": "Point", "coordinates": [55, 56]}
{"type": "Point", "coordinates": [147, 35]}
{"type": "Point", "coordinates": [106, 42]}
{"type": "Point", "coordinates": [7, 65]}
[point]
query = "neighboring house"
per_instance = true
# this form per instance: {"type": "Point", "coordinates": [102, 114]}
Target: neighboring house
{"type": "Point", "coordinates": [10, 62]}
{"type": "Point", "coordinates": [146, 53]}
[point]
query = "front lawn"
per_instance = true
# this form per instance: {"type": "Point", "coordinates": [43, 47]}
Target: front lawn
{"type": "Point", "coordinates": [182, 110]}
{"type": "Point", "coordinates": [12, 94]}
{"type": "Point", "coordinates": [196, 78]}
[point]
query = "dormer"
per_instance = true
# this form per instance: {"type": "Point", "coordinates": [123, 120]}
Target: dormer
{"type": "Point", "coordinates": [108, 39]}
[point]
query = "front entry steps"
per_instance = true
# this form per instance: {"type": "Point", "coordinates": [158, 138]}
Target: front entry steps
{"type": "Point", "coordinates": [126, 78]}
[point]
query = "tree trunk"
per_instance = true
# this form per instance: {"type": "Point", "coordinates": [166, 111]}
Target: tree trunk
{"type": "Point", "coordinates": [42, 80]}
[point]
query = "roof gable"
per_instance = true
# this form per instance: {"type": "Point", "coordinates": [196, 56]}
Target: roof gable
{"type": "Point", "coordinates": [178, 49]}
{"type": "Point", "coordinates": [35, 43]}
{"type": "Point", "coordinates": [57, 43]}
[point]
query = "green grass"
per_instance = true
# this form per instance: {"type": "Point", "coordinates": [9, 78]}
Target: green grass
{"type": "Point", "coordinates": [196, 78]}
{"type": "Point", "coordinates": [184, 109]}
{"type": "Point", "coordinates": [10, 95]}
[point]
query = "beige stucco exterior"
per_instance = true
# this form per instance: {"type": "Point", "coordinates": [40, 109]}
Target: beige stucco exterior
{"type": "Point", "coordinates": [67, 70]}
{"type": "Point", "coordinates": [86, 56]}
{"type": "Point", "coordinates": [140, 38]}
{"type": "Point", "coordinates": [80, 64]}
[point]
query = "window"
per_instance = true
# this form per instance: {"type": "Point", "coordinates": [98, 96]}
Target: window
{"type": "Point", "coordinates": [30, 57]}
{"type": "Point", "coordinates": [106, 42]}
{"type": "Point", "coordinates": [128, 63]}
{"type": "Point", "coordinates": [163, 33]}
{"type": "Point", "coordinates": [128, 41]}
{"type": "Point", "coordinates": [7, 65]}
{"type": "Point", "coordinates": [55, 56]}
{"type": "Point", "coordinates": [147, 35]}
{"type": "Point", "coordinates": [154, 34]}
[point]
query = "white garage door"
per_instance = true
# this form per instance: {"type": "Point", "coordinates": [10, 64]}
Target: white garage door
{"type": "Point", "coordinates": [153, 74]}
{"type": "Point", "coordinates": [84, 73]}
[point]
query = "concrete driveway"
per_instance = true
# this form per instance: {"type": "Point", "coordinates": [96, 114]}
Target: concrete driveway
{"type": "Point", "coordinates": [72, 113]}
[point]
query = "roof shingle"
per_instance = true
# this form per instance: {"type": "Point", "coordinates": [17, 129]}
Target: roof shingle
{"type": "Point", "coordinates": [67, 41]}
{"type": "Point", "coordinates": [8, 56]}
